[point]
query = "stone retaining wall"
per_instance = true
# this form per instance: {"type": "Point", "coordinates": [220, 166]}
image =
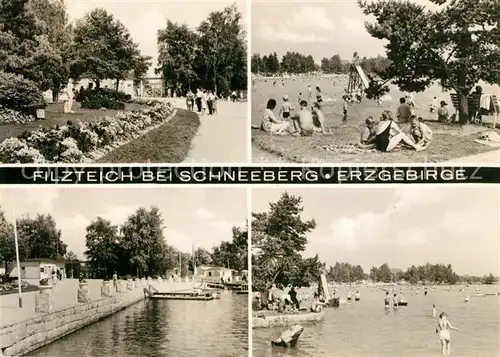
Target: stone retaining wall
{"type": "Point", "coordinates": [26, 336]}
{"type": "Point", "coordinates": [283, 320]}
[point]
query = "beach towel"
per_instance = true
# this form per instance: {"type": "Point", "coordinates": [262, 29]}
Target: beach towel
{"type": "Point", "coordinates": [485, 101]}
{"type": "Point", "coordinates": [346, 149]}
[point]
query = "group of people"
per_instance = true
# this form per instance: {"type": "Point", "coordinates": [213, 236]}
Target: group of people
{"type": "Point", "coordinates": [303, 122]}
{"type": "Point", "coordinates": [285, 301]}
{"type": "Point", "coordinates": [203, 101]}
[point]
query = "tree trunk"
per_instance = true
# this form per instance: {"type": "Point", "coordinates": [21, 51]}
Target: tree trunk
{"type": "Point", "coordinates": [97, 84]}
{"type": "Point", "coordinates": [55, 95]}
{"type": "Point", "coordinates": [463, 112]}
{"type": "Point", "coordinates": [117, 84]}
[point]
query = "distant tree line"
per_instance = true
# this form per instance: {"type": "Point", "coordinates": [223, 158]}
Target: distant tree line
{"type": "Point", "coordinates": [137, 247]}
{"type": "Point", "coordinates": [212, 56]}
{"type": "Point", "coordinates": [428, 273]}
{"type": "Point", "coordinates": [38, 237]}
{"type": "Point", "coordinates": [296, 63]}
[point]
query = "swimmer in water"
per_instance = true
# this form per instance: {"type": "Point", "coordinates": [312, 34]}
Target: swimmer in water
{"type": "Point", "coordinates": [433, 310]}
{"type": "Point", "coordinates": [387, 301]}
{"type": "Point", "coordinates": [299, 99]}
{"type": "Point", "coordinates": [395, 301]}
{"type": "Point", "coordinates": [309, 90]}
{"type": "Point", "coordinates": [466, 298]}
{"type": "Point", "coordinates": [443, 328]}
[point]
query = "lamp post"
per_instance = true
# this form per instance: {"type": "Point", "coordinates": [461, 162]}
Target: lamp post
{"type": "Point", "coordinates": [17, 257]}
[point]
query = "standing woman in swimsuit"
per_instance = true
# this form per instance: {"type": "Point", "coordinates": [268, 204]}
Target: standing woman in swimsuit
{"type": "Point", "coordinates": [319, 98]}
{"type": "Point", "coordinates": [386, 301]}
{"type": "Point", "coordinates": [286, 108]}
{"type": "Point", "coordinates": [389, 135]}
{"type": "Point", "coordinates": [443, 328]}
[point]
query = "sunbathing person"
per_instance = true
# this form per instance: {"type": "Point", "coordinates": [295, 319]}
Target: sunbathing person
{"type": "Point", "coordinates": [318, 117]}
{"type": "Point", "coordinates": [419, 132]}
{"type": "Point", "coordinates": [368, 135]}
{"type": "Point", "coordinates": [389, 135]}
{"type": "Point", "coordinates": [269, 122]}
{"type": "Point", "coordinates": [316, 305]}
{"type": "Point", "coordinates": [303, 121]}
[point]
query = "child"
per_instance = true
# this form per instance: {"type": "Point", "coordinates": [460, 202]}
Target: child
{"type": "Point", "coordinates": [285, 108]}
{"type": "Point", "coordinates": [421, 135]}
{"type": "Point", "coordinates": [299, 99]}
{"type": "Point", "coordinates": [433, 310]}
{"type": "Point", "coordinates": [318, 117]}
{"type": "Point", "coordinates": [369, 134]}
{"type": "Point", "coordinates": [443, 329]}
{"type": "Point", "coordinates": [344, 108]}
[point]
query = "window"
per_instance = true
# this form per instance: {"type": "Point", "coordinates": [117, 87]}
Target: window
{"type": "Point", "coordinates": [209, 273]}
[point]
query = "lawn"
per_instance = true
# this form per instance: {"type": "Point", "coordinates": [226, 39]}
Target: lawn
{"type": "Point", "coordinates": [169, 143]}
{"type": "Point", "coordinates": [448, 142]}
{"type": "Point", "coordinates": [54, 115]}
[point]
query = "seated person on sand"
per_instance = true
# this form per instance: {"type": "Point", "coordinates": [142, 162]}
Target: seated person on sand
{"type": "Point", "coordinates": [318, 118]}
{"type": "Point", "coordinates": [269, 122]}
{"type": "Point", "coordinates": [419, 132]}
{"type": "Point", "coordinates": [303, 122]}
{"type": "Point", "coordinates": [368, 135]}
{"type": "Point", "coordinates": [389, 135]}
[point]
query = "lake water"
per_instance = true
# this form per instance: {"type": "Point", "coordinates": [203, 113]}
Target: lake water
{"type": "Point", "coordinates": [156, 328]}
{"type": "Point", "coordinates": [363, 328]}
{"type": "Point", "coordinates": [262, 91]}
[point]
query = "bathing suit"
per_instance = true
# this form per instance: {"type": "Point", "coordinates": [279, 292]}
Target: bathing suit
{"type": "Point", "coordinates": [286, 115]}
{"type": "Point", "coordinates": [386, 302]}
{"type": "Point", "coordinates": [319, 99]}
{"type": "Point", "coordinates": [382, 139]}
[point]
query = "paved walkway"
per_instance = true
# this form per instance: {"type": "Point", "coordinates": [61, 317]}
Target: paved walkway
{"type": "Point", "coordinates": [222, 138]}
{"type": "Point", "coordinates": [65, 296]}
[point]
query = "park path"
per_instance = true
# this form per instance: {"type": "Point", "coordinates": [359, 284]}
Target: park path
{"type": "Point", "coordinates": [221, 138]}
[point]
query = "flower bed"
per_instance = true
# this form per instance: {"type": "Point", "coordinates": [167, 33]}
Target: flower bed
{"type": "Point", "coordinates": [82, 142]}
{"type": "Point", "coordinates": [10, 116]}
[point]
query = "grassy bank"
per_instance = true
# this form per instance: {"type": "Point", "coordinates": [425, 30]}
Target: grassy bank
{"type": "Point", "coordinates": [169, 143]}
{"type": "Point", "coordinates": [447, 144]}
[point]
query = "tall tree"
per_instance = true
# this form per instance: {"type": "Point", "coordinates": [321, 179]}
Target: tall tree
{"type": "Point", "coordinates": [278, 238]}
{"type": "Point", "coordinates": [177, 47]}
{"type": "Point", "coordinates": [233, 254]}
{"type": "Point", "coordinates": [457, 45]}
{"type": "Point", "coordinates": [7, 243]}
{"type": "Point", "coordinates": [101, 241]}
{"type": "Point", "coordinates": [222, 49]}
{"type": "Point", "coordinates": [142, 239]}
{"type": "Point", "coordinates": [103, 48]}
{"type": "Point", "coordinates": [42, 237]}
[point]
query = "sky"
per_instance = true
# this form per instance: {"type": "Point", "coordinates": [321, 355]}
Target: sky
{"type": "Point", "coordinates": [203, 217]}
{"type": "Point", "coordinates": [318, 28]}
{"type": "Point", "coordinates": [144, 18]}
{"type": "Point", "coordinates": [401, 226]}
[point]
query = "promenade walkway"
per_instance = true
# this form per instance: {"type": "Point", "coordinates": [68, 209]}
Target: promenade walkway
{"type": "Point", "coordinates": [65, 296]}
{"type": "Point", "coordinates": [221, 138]}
